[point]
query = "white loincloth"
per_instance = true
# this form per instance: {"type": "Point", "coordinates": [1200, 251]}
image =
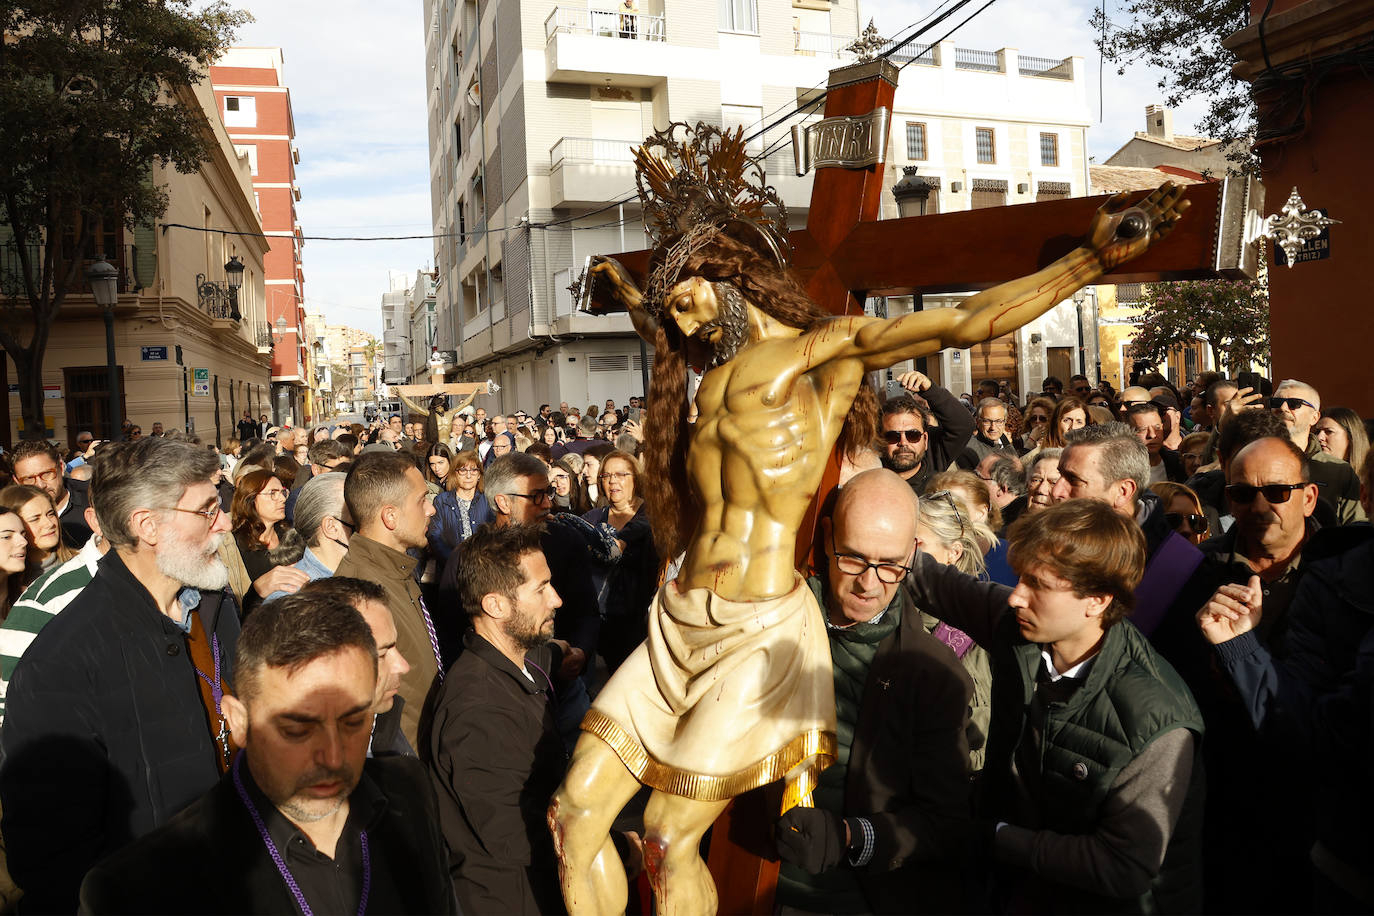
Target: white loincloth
{"type": "Point", "coordinates": [724, 696]}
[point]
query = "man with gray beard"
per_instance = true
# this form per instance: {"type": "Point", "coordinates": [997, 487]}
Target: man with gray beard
{"type": "Point", "coordinates": [114, 721]}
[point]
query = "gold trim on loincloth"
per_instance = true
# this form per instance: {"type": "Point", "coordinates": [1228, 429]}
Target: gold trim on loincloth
{"type": "Point", "coordinates": [817, 744]}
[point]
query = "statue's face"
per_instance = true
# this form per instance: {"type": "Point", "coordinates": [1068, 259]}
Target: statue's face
{"type": "Point", "coordinates": [692, 305]}
{"type": "Point", "coordinates": [714, 314]}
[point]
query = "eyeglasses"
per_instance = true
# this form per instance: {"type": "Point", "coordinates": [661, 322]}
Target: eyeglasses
{"type": "Point", "coordinates": [47, 476]}
{"type": "Point", "coordinates": [469, 471]}
{"type": "Point", "coordinates": [617, 476]}
{"type": "Point", "coordinates": [851, 565]}
{"type": "Point", "coordinates": [895, 436]}
{"type": "Point", "coordinates": [948, 497]}
{"type": "Point", "coordinates": [1197, 523]}
{"type": "Point", "coordinates": [1244, 493]}
{"type": "Point", "coordinates": [209, 514]}
{"type": "Point", "coordinates": [990, 421]}
{"type": "Point", "coordinates": [538, 496]}
{"type": "Point", "coordinates": [1035, 418]}
{"type": "Point", "coordinates": [349, 525]}
{"type": "Point", "coordinates": [274, 494]}
{"type": "Point", "coordinates": [1290, 403]}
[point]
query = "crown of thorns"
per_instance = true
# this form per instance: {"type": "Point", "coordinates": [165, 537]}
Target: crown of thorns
{"type": "Point", "coordinates": [697, 187]}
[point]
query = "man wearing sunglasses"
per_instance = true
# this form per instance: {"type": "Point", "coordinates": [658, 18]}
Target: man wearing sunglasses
{"type": "Point", "coordinates": [1256, 856]}
{"type": "Point", "coordinates": [1300, 407]}
{"type": "Point", "coordinates": [113, 722]}
{"type": "Point", "coordinates": [920, 440]}
{"type": "Point", "coordinates": [886, 816]}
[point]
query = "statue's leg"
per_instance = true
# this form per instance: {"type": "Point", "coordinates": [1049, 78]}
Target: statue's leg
{"type": "Point", "coordinates": [593, 792]}
{"type": "Point", "coordinates": [673, 827]}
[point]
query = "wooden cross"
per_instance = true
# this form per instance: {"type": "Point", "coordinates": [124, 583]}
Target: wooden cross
{"type": "Point", "coordinates": [846, 254]}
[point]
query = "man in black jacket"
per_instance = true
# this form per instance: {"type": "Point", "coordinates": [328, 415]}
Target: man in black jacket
{"type": "Point", "coordinates": [106, 735]}
{"type": "Point", "coordinates": [921, 441]}
{"type": "Point", "coordinates": [883, 835]}
{"type": "Point", "coordinates": [303, 821]}
{"type": "Point", "coordinates": [494, 754]}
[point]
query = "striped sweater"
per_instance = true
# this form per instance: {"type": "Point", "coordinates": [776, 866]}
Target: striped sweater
{"type": "Point", "coordinates": [43, 600]}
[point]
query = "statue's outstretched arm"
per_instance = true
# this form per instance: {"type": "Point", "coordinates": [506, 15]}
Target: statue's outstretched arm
{"type": "Point", "coordinates": [609, 275]}
{"type": "Point", "coordinates": [1116, 235]}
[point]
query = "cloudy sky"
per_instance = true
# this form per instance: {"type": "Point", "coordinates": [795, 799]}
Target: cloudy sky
{"type": "Point", "coordinates": [356, 73]}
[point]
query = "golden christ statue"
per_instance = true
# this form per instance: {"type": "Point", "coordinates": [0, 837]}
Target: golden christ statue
{"type": "Point", "coordinates": [733, 688]}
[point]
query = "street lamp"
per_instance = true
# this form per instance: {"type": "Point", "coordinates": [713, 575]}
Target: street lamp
{"type": "Point", "coordinates": [234, 272]}
{"type": "Point", "coordinates": [912, 192]}
{"type": "Point", "coordinates": [104, 280]}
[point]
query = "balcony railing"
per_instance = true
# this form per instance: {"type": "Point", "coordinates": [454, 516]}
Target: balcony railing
{"type": "Point", "coordinates": [823, 44]}
{"type": "Point", "coordinates": [592, 150]}
{"type": "Point", "coordinates": [970, 59]}
{"type": "Point", "coordinates": [1045, 67]}
{"type": "Point", "coordinates": [572, 20]}
{"type": "Point", "coordinates": [12, 270]}
{"type": "Point", "coordinates": [262, 335]}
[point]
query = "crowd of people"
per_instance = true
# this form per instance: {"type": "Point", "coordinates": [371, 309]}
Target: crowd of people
{"type": "Point", "coordinates": [1079, 643]}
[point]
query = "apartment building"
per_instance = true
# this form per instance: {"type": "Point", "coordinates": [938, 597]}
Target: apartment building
{"type": "Point", "coordinates": [255, 106]}
{"type": "Point", "coordinates": [535, 107]}
{"type": "Point", "coordinates": [190, 351]}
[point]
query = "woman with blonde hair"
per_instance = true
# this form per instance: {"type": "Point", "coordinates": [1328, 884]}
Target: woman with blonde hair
{"type": "Point", "coordinates": [1341, 434]}
{"type": "Point", "coordinates": [947, 531]}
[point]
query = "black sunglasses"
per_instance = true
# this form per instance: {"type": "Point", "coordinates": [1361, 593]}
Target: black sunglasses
{"type": "Point", "coordinates": [1290, 403]}
{"type": "Point", "coordinates": [1197, 523]}
{"type": "Point", "coordinates": [894, 436]}
{"type": "Point", "coordinates": [1244, 493]}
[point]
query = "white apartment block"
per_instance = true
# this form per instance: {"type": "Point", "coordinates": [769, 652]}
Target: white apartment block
{"type": "Point", "coordinates": [535, 106]}
{"type": "Point", "coordinates": [396, 328]}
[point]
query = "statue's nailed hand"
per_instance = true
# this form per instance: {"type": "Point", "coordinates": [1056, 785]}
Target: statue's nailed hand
{"type": "Point", "coordinates": [1119, 233]}
{"type": "Point", "coordinates": [612, 281]}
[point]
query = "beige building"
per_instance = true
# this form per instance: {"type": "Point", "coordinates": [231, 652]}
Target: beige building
{"type": "Point", "coordinates": [1158, 145]}
{"type": "Point", "coordinates": [184, 361]}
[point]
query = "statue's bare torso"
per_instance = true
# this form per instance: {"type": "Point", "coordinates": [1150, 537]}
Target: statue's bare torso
{"type": "Point", "coordinates": [767, 425]}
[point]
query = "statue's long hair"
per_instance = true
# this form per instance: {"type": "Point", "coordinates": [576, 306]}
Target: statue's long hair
{"type": "Point", "coordinates": [674, 507]}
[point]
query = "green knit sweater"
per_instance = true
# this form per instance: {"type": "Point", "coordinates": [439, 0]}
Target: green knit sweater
{"type": "Point", "coordinates": [851, 651]}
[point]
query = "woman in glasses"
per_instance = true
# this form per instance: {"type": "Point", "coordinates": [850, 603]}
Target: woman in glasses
{"type": "Point", "coordinates": [628, 579]}
{"type": "Point", "coordinates": [42, 528]}
{"type": "Point", "coordinates": [267, 545]}
{"type": "Point", "coordinates": [946, 530]}
{"type": "Point", "coordinates": [1340, 433]}
{"type": "Point", "coordinates": [1182, 511]}
{"type": "Point", "coordinates": [459, 510]}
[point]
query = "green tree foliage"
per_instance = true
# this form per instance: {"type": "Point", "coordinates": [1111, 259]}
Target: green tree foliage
{"type": "Point", "coordinates": [89, 95]}
{"type": "Point", "coordinates": [1183, 39]}
{"type": "Point", "coordinates": [1232, 315]}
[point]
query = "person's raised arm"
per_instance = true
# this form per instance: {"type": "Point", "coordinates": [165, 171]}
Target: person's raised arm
{"type": "Point", "coordinates": [1116, 235]}
{"type": "Point", "coordinates": [957, 598]}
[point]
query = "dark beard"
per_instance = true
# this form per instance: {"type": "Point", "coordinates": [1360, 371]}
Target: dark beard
{"type": "Point", "coordinates": [732, 317]}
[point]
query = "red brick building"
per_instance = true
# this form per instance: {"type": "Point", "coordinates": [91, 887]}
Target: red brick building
{"type": "Point", "coordinates": [255, 105]}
